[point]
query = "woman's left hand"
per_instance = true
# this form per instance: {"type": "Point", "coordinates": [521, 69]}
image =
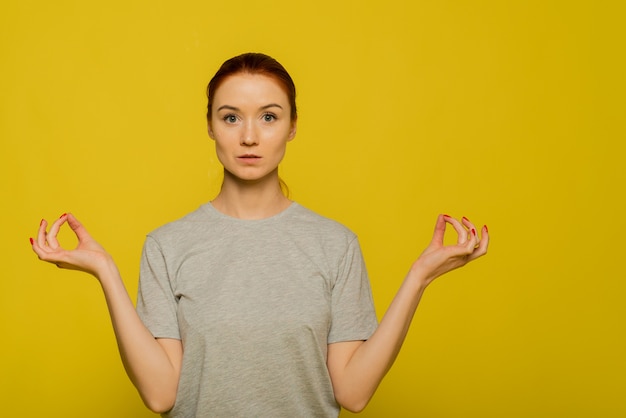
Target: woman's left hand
{"type": "Point", "coordinates": [438, 259]}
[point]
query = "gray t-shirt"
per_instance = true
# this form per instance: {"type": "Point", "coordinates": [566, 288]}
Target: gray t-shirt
{"type": "Point", "coordinates": [255, 303]}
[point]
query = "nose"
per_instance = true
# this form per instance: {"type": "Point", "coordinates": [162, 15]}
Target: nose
{"type": "Point", "coordinates": [249, 135]}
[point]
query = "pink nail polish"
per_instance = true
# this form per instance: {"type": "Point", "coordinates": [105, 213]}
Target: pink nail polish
{"type": "Point", "coordinates": [31, 241]}
{"type": "Point", "coordinates": [465, 219]}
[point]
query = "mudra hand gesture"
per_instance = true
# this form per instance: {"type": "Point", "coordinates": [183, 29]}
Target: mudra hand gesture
{"type": "Point", "coordinates": [438, 259]}
{"type": "Point", "coordinates": [88, 256]}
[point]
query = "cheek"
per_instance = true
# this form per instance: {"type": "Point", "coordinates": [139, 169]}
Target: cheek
{"type": "Point", "coordinates": [221, 147]}
{"type": "Point", "coordinates": [278, 135]}
{"type": "Point", "coordinates": [279, 150]}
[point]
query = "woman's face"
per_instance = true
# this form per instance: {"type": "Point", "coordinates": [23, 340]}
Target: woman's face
{"type": "Point", "coordinates": [251, 125]}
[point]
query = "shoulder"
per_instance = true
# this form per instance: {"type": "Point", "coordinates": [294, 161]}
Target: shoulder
{"type": "Point", "coordinates": [185, 226]}
{"type": "Point", "coordinates": [314, 224]}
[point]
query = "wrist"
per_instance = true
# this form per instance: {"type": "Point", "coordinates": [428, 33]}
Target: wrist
{"type": "Point", "coordinates": [107, 271]}
{"type": "Point", "coordinates": [419, 276]}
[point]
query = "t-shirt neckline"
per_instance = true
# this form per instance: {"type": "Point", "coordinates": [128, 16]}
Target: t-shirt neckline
{"type": "Point", "coordinates": [214, 212]}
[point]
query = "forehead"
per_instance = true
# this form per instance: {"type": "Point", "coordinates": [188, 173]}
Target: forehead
{"type": "Point", "coordinates": [244, 88]}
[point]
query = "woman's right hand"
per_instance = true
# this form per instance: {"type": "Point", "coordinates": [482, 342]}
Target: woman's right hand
{"type": "Point", "coordinates": [88, 256]}
{"type": "Point", "coordinates": [153, 364]}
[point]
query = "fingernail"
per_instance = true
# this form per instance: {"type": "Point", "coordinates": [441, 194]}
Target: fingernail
{"type": "Point", "coordinates": [446, 216]}
{"type": "Point", "coordinates": [473, 231]}
{"type": "Point", "coordinates": [465, 219]}
{"type": "Point", "coordinates": [31, 241]}
{"type": "Point", "coordinates": [486, 229]}
{"type": "Point", "coordinates": [62, 215]}
{"type": "Point", "coordinates": [41, 223]}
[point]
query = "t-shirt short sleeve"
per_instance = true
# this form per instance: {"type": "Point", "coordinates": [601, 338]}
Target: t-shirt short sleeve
{"type": "Point", "coordinates": [353, 314]}
{"type": "Point", "coordinates": [156, 301]}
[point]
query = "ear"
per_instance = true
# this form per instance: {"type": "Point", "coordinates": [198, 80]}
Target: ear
{"type": "Point", "coordinates": [292, 131]}
{"type": "Point", "coordinates": [210, 130]}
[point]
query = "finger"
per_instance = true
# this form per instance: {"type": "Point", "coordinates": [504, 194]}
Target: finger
{"type": "Point", "coordinates": [471, 231]}
{"type": "Point", "coordinates": [53, 243]}
{"type": "Point", "coordinates": [37, 248]}
{"type": "Point", "coordinates": [35, 245]}
{"type": "Point", "coordinates": [472, 240]}
{"type": "Point", "coordinates": [440, 230]}
{"type": "Point", "coordinates": [484, 244]}
{"type": "Point", "coordinates": [481, 249]}
{"type": "Point", "coordinates": [41, 234]}
{"type": "Point", "coordinates": [78, 228]}
{"type": "Point", "coordinates": [459, 228]}
{"type": "Point", "coordinates": [43, 252]}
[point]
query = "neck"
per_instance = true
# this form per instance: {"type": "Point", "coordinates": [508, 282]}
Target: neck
{"type": "Point", "coordinates": [250, 200]}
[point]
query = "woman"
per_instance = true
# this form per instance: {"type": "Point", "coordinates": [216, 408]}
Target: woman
{"type": "Point", "coordinates": [253, 305]}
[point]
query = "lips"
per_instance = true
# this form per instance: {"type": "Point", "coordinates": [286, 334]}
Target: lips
{"type": "Point", "coordinates": [249, 158]}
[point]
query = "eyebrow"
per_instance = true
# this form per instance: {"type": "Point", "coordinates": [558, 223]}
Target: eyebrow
{"type": "Point", "coordinates": [228, 107]}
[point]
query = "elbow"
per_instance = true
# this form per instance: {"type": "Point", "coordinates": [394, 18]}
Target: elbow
{"type": "Point", "coordinates": [158, 406]}
{"type": "Point", "coordinates": [159, 403]}
{"type": "Point", "coordinates": [354, 403]}
{"type": "Point", "coordinates": [354, 407]}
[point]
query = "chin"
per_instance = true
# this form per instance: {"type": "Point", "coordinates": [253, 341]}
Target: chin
{"type": "Point", "coordinates": [252, 177]}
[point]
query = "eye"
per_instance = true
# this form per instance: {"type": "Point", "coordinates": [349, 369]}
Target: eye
{"type": "Point", "coordinates": [230, 118]}
{"type": "Point", "coordinates": [269, 117]}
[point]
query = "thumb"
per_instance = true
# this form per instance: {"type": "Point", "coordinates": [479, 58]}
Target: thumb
{"type": "Point", "coordinates": [440, 230]}
{"type": "Point", "coordinates": [78, 228]}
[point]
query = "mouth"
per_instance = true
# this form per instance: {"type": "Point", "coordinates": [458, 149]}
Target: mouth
{"type": "Point", "coordinates": [249, 158]}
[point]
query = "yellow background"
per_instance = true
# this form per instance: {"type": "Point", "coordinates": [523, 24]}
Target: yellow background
{"type": "Point", "coordinates": [509, 113]}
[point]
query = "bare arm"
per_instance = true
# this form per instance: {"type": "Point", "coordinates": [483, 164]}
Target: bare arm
{"type": "Point", "coordinates": [357, 367]}
{"type": "Point", "coordinates": [153, 365]}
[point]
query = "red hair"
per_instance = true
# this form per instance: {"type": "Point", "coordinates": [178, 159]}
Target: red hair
{"type": "Point", "coordinates": [253, 63]}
